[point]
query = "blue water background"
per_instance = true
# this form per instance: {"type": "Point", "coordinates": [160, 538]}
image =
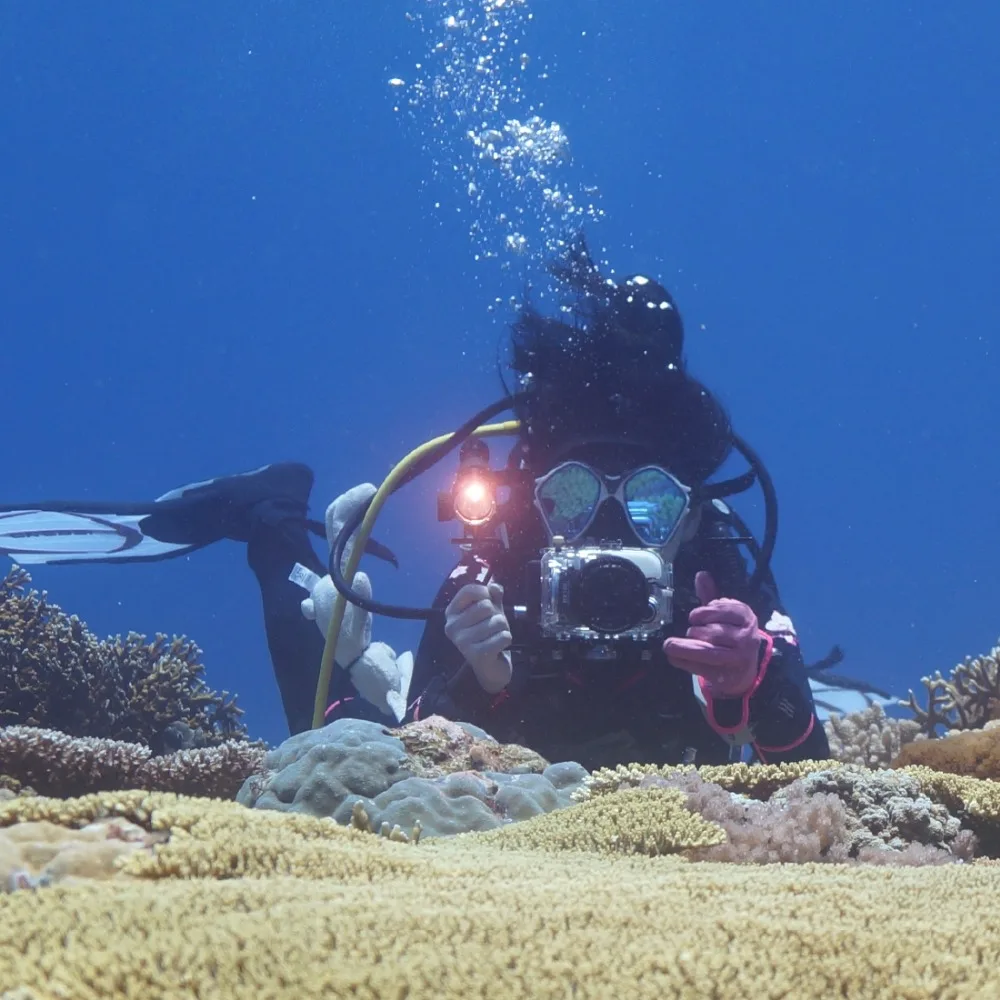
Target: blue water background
{"type": "Point", "coordinates": [221, 249]}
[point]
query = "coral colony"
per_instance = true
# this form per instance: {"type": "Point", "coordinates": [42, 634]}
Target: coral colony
{"type": "Point", "coordinates": [145, 842]}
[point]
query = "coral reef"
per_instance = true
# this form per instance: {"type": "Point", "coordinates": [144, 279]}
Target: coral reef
{"type": "Point", "coordinates": [842, 815]}
{"type": "Point", "coordinates": [759, 781]}
{"type": "Point", "coordinates": [887, 811]}
{"type": "Point", "coordinates": [649, 821]}
{"type": "Point", "coordinates": [239, 902]}
{"type": "Point", "coordinates": [974, 752]}
{"type": "Point", "coordinates": [53, 763]}
{"type": "Point", "coordinates": [441, 775]}
{"type": "Point", "coordinates": [436, 746]}
{"type": "Point", "coordinates": [41, 853]}
{"type": "Point", "coordinates": [967, 699]}
{"type": "Point", "coordinates": [869, 737]}
{"type": "Point", "coordinates": [55, 674]}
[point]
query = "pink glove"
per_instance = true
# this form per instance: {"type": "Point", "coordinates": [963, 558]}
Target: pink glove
{"type": "Point", "coordinates": [722, 644]}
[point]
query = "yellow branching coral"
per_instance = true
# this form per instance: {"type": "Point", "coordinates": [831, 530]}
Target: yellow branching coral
{"type": "Point", "coordinates": [214, 912]}
{"type": "Point", "coordinates": [634, 821]}
{"type": "Point", "coordinates": [214, 839]}
{"type": "Point", "coordinates": [758, 780]}
{"type": "Point", "coordinates": [978, 799]}
{"type": "Point", "coordinates": [467, 920]}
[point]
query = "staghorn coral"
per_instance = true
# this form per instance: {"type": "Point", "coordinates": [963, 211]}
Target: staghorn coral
{"type": "Point", "coordinates": [55, 673]}
{"type": "Point", "coordinates": [967, 699]}
{"type": "Point", "coordinates": [56, 764]}
{"type": "Point", "coordinates": [869, 737]}
{"type": "Point", "coordinates": [363, 916]}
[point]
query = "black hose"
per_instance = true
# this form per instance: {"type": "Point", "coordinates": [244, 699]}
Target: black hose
{"type": "Point", "coordinates": [354, 522]}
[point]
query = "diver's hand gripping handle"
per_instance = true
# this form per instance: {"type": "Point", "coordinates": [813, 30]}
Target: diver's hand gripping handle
{"type": "Point", "coordinates": [476, 623]}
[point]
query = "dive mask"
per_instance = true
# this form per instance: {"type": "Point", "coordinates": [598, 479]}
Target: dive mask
{"type": "Point", "coordinates": [571, 495]}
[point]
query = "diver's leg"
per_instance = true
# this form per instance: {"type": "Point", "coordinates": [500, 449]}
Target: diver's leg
{"type": "Point", "coordinates": [294, 642]}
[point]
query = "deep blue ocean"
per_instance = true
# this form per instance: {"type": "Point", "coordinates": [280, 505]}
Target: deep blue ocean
{"type": "Point", "coordinates": [239, 233]}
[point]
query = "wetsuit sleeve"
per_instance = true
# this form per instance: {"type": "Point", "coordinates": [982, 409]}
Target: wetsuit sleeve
{"type": "Point", "coordinates": [782, 711]}
{"type": "Point", "coordinates": [777, 713]}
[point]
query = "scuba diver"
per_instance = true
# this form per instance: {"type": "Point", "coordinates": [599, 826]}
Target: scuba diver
{"type": "Point", "coordinates": [602, 609]}
{"type": "Point", "coordinates": [604, 612]}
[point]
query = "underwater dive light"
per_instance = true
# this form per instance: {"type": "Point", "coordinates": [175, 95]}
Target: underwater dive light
{"type": "Point", "coordinates": [473, 498]}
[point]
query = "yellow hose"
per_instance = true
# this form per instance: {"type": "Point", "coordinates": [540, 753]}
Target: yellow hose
{"type": "Point", "coordinates": [363, 533]}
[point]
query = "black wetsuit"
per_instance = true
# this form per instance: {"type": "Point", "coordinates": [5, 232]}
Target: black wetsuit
{"type": "Point", "coordinates": [611, 712]}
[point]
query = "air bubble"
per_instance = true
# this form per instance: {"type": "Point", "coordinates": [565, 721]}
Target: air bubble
{"type": "Point", "coordinates": [479, 117]}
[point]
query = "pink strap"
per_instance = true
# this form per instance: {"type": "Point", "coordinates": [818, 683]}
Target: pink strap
{"type": "Point", "coordinates": [330, 708]}
{"type": "Point", "coordinates": [768, 640]}
{"type": "Point", "coordinates": [791, 746]}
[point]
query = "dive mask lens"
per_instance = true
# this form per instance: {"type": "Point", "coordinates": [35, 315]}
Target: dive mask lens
{"type": "Point", "coordinates": [656, 504]}
{"type": "Point", "coordinates": [568, 498]}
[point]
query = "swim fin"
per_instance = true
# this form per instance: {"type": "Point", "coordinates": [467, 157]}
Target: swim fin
{"type": "Point", "coordinates": [58, 532]}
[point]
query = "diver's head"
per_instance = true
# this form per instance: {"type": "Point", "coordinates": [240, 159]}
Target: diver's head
{"type": "Point", "coordinates": [606, 382]}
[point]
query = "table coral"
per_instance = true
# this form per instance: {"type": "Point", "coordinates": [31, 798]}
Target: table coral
{"type": "Point", "coordinates": [756, 780]}
{"type": "Point", "coordinates": [973, 752]}
{"type": "Point", "coordinates": [53, 763]}
{"type": "Point", "coordinates": [652, 822]}
{"type": "Point", "coordinates": [54, 673]}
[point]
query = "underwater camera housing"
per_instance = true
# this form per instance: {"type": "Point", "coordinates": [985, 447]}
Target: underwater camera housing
{"type": "Point", "coordinates": [605, 592]}
{"type": "Point", "coordinates": [595, 593]}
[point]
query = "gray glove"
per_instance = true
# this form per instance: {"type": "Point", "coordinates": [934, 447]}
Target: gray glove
{"type": "Point", "coordinates": [475, 622]}
{"type": "Point", "coordinates": [378, 675]}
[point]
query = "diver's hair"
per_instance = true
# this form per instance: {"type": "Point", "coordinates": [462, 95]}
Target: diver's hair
{"type": "Point", "coordinates": [613, 367]}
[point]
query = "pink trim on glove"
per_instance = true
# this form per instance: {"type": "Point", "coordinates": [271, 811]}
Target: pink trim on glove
{"type": "Point", "coordinates": [745, 697]}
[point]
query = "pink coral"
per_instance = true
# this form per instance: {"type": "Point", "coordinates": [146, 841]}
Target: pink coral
{"type": "Point", "coordinates": [797, 825]}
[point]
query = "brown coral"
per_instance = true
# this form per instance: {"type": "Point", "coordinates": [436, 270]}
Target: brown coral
{"type": "Point", "coordinates": [975, 753]}
{"type": "Point", "coordinates": [967, 699]}
{"type": "Point", "coordinates": [56, 764]}
{"type": "Point", "coordinates": [41, 853]}
{"type": "Point", "coordinates": [437, 746]}
{"type": "Point", "coordinates": [55, 673]}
